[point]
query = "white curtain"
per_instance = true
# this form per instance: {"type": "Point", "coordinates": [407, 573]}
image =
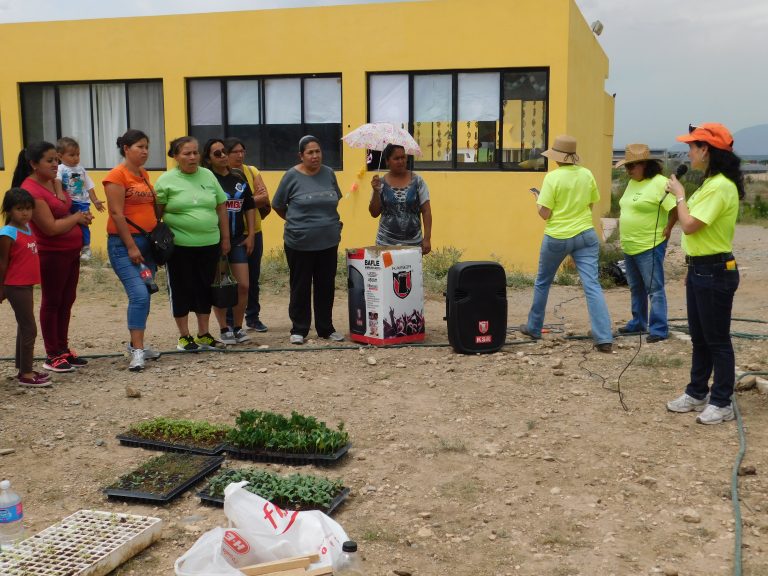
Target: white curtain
{"type": "Point", "coordinates": [48, 114]}
{"type": "Point", "coordinates": [111, 120]}
{"type": "Point", "coordinates": [478, 97]}
{"type": "Point", "coordinates": [205, 102]}
{"type": "Point", "coordinates": [389, 98]}
{"type": "Point", "coordinates": [432, 100]}
{"type": "Point", "coordinates": [322, 101]}
{"type": "Point", "coordinates": [283, 101]}
{"type": "Point", "coordinates": [243, 102]}
{"type": "Point", "coordinates": [145, 102]}
{"type": "Point", "coordinates": [75, 107]}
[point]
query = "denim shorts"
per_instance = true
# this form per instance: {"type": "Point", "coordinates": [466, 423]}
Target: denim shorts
{"type": "Point", "coordinates": [238, 254]}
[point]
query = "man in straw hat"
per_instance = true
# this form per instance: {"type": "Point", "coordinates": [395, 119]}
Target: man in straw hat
{"type": "Point", "coordinates": [647, 216]}
{"type": "Point", "coordinates": [565, 202]}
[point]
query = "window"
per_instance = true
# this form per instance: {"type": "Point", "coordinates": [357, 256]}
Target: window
{"type": "Point", "coordinates": [2, 156]}
{"type": "Point", "coordinates": [270, 115]}
{"type": "Point", "coordinates": [95, 114]}
{"type": "Point", "coordinates": [468, 120]}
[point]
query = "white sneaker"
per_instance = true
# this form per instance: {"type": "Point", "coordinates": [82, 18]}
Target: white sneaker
{"type": "Point", "coordinates": [227, 337]}
{"type": "Point", "coordinates": [241, 336]}
{"type": "Point", "coordinates": [715, 415]}
{"type": "Point", "coordinates": [137, 360]}
{"type": "Point", "coordinates": [335, 337]}
{"type": "Point", "coordinates": [149, 352]}
{"type": "Point", "coordinates": [86, 254]}
{"type": "Point", "coordinates": [297, 339]}
{"type": "Point", "coordinates": [685, 403]}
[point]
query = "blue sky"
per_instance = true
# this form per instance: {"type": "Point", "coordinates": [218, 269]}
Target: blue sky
{"type": "Point", "coordinates": [671, 63]}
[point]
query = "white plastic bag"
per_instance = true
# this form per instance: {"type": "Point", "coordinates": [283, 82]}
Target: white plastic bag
{"type": "Point", "coordinates": [260, 532]}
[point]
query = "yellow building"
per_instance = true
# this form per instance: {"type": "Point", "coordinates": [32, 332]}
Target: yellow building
{"type": "Point", "coordinates": [484, 86]}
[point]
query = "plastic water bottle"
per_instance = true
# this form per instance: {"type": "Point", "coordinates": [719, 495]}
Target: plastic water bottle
{"type": "Point", "coordinates": [11, 516]}
{"type": "Point", "coordinates": [146, 276]}
{"type": "Point", "coordinates": [349, 563]}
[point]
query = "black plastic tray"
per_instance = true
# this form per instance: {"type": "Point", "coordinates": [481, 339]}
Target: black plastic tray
{"type": "Point", "coordinates": [206, 498]}
{"type": "Point", "coordinates": [287, 457]}
{"type": "Point", "coordinates": [127, 439]}
{"type": "Point", "coordinates": [214, 463]}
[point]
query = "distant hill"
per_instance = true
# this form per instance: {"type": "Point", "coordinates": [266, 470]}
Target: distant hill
{"type": "Point", "coordinates": [752, 141]}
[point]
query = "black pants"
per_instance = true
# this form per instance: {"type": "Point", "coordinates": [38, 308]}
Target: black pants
{"type": "Point", "coordinates": [313, 275]}
{"type": "Point", "coordinates": [191, 271]}
{"type": "Point", "coordinates": [21, 300]}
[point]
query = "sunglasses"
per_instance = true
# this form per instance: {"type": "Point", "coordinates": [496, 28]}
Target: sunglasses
{"type": "Point", "coordinates": [219, 153]}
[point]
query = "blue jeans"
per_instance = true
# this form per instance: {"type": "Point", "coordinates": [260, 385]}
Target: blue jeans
{"type": "Point", "coordinates": [128, 273]}
{"type": "Point", "coordinates": [82, 207]}
{"type": "Point", "coordinates": [645, 275]}
{"type": "Point", "coordinates": [709, 290]}
{"type": "Point", "coordinates": [584, 249]}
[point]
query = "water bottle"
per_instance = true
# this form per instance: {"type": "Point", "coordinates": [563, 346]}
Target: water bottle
{"type": "Point", "coordinates": [349, 563]}
{"type": "Point", "coordinates": [146, 276]}
{"type": "Point", "coordinates": [11, 516]}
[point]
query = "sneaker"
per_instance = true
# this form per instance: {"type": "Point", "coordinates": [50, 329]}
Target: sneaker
{"type": "Point", "coordinates": [605, 347]}
{"type": "Point", "coordinates": [137, 360]}
{"type": "Point", "coordinates": [256, 326]}
{"type": "Point", "coordinates": [523, 328]}
{"type": "Point", "coordinates": [653, 338]}
{"type": "Point", "coordinates": [227, 337]}
{"type": "Point", "coordinates": [685, 403]}
{"type": "Point", "coordinates": [625, 330]}
{"type": "Point", "coordinates": [86, 254]}
{"type": "Point", "coordinates": [40, 375]}
{"type": "Point", "coordinates": [57, 364]}
{"type": "Point", "coordinates": [715, 414]}
{"type": "Point", "coordinates": [186, 344]}
{"type": "Point", "coordinates": [297, 339]}
{"type": "Point", "coordinates": [149, 352]}
{"type": "Point", "coordinates": [334, 337]}
{"type": "Point", "coordinates": [241, 335]}
{"type": "Point", "coordinates": [36, 381]}
{"type": "Point", "coordinates": [205, 342]}
{"type": "Point", "coordinates": [74, 359]}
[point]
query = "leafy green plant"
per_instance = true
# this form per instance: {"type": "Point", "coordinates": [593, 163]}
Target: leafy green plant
{"type": "Point", "coordinates": [193, 432]}
{"type": "Point", "coordinates": [295, 492]}
{"type": "Point", "coordinates": [162, 473]}
{"type": "Point", "coordinates": [298, 434]}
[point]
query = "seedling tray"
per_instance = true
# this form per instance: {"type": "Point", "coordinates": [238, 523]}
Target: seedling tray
{"type": "Point", "coordinates": [211, 464]}
{"type": "Point", "coordinates": [127, 439]}
{"type": "Point", "coordinates": [257, 455]}
{"type": "Point", "coordinates": [87, 543]}
{"type": "Point", "coordinates": [206, 498]}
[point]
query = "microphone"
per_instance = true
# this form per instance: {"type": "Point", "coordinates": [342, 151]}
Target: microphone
{"type": "Point", "coordinates": [681, 170]}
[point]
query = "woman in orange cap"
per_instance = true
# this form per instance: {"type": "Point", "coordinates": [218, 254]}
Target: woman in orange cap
{"type": "Point", "coordinates": [708, 221]}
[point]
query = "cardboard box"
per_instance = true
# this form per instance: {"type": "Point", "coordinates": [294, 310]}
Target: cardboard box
{"type": "Point", "coordinates": [386, 295]}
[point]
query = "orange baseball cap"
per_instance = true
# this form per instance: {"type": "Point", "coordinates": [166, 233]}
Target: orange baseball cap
{"type": "Point", "coordinates": [712, 133]}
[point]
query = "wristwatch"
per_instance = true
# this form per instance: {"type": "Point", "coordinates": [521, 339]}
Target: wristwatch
{"type": "Point", "coordinates": [681, 199]}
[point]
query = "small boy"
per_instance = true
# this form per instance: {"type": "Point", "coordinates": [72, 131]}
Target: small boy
{"type": "Point", "coordinates": [78, 185]}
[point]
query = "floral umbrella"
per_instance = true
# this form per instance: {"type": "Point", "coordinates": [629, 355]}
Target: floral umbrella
{"type": "Point", "coordinates": [376, 136]}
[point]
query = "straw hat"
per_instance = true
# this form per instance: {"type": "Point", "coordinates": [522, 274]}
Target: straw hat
{"type": "Point", "coordinates": [636, 153]}
{"type": "Point", "coordinates": [563, 150]}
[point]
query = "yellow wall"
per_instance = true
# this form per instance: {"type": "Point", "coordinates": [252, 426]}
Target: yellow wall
{"type": "Point", "coordinates": [483, 213]}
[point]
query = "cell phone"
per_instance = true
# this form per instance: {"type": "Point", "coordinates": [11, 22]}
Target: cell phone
{"type": "Point", "coordinates": [535, 192]}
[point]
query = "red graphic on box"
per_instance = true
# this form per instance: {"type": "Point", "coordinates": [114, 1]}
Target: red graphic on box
{"type": "Point", "coordinates": [401, 283]}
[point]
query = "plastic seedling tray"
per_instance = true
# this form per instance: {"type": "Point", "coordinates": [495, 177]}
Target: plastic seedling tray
{"type": "Point", "coordinates": [128, 439]}
{"type": "Point", "coordinates": [87, 543]}
{"type": "Point", "coordinates": [205, 467]}
{"type": "Point", "coordinates": [206, 498]}
{"type": "Point", "coordinates": [257, 455]}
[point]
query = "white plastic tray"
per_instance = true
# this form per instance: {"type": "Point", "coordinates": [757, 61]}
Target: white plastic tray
{"type": "Point", "coordinates": [87, 543]}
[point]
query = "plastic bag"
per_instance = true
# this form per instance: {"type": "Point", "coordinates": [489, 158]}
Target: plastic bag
{"type": "Point", "coordinates": [261, 532]}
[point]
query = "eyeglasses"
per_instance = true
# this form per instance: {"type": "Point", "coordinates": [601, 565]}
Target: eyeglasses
{"type": "Point", "coordinates": [219, 153]}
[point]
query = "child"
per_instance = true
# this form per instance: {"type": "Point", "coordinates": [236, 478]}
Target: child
{"type": "Point", "coordinates": [19, 271]}
{"type": "Point", "coordinates": [78, 185]}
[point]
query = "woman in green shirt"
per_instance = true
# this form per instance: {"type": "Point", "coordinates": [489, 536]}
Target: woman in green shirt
{"type": "Point", "coordinates": [708, 221]}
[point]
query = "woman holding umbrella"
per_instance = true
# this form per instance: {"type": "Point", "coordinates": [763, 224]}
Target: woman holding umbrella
{"type": "Point", "coordinates": [401, 200]}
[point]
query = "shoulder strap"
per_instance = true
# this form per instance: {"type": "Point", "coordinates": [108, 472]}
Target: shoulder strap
{"type": "Point", "coordinates": [154, 204]}
{"type": "Point", "coordinates": [139, 228]}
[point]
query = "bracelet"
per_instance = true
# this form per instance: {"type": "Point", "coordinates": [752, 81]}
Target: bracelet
{"type": "Point", "coordinates": [680, 200]}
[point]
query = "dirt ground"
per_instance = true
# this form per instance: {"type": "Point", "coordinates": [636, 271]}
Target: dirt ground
{"type": "Point", "coordinates": [502, 464]}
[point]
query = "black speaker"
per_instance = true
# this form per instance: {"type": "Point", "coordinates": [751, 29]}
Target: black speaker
{"type": "Point", "coordinates": [476, 307]}
{"type": "Point", "coordinates": [356, 301]}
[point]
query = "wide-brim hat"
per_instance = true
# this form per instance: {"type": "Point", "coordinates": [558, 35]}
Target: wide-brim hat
{"type": "Point", "coordinates": [712, 133]}
{"type": "Point", "coordinates": [636, 153]}
{"type": "Point", "coordinates": [563, 150]}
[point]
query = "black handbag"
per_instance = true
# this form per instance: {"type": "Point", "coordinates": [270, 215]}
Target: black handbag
{"type": "Point", "coordinates": [161, 237]}
{"type": "Point", "coordinates": [224, 287]}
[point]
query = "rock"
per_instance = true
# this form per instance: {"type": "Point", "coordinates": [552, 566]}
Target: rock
{"type": "Point", "coordinates": [554, 491]}
{"type": "Point", "coordinates": [262, 370]}
{"type": "Point", "coordinates": [746, 383]}
{"type": "Point", "coordinates": [6, 451]}
{"type": "Point", "coordinates": [100, 442]}
{"type": "Point", "coordinates": [624, 454]}
{"type": "Point", "coordinates": [131, 392]}
{"type": "Point", "coordinates": [762, 385]}
{"type": "Point", "coordinates": [425, 515]}
{"type": "Point", "coordinates": [59, 434]}
{"type": "Point", "coordinates": [548, 458]}
{"type": "Point", "coordinates": [648, 481]}
{"type": "Point", "coordinates": [558, 372]}
{"type": "Point", "coordinates": [691, 516]}
{"type": "Point", "coordinates": [425, 533]}
{"type": "Point", "coordinates": [747, 471]}
{"type": "Point", "coordinates": [400, 365]}
{"type": "Point", "coordinates": [669, 571]}
{"type": "Point", "coordinates": [401, 572]}
{"type": "Point", "coordinates": [557, 363]}
{"type": "Point", "coordinates": [371, 361]}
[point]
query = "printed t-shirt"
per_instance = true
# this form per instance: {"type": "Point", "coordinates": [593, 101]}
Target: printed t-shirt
{"type": "Point", "coordinates": [250, 173]}
{"type": "Point", "coordinates": [239, 200]}
{"type": "Point", "coordinates": [139, 206]}
{"type": "Point", "coordinates": [71, 239]}
{"type": "Point", "coordinates": [400, 220]}
{"type": "Point", "coordinates": [23, 261]}
{"type": "Point", "coordinates": [310, 203]}
{"type": "Point", "coordinates": [190, 202]}
{"type": "Point", "coordinates": [75, 182]}
{"type": "Point", "coordinates": [716, 204]}
{"type": "Point", "coordinates": [645, 208]}
{"type": "Point", "coordinates": [568, 191]}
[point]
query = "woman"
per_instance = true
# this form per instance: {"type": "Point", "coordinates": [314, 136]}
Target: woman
{"type": "Point", "coordinates": [565, 202]}
{"type": "Point", "coordinates": [401, 198]}
{"type": "Point", "coordinates": [307, 198]}
{"type": "Point", "coordinates": [235, 150]}
{"type": "Point", "coordinates": [240, 209]}
{"type": "Point", "coordinates": [130, 197]}
{"type": "Point", "coordinates": [192, 203]}
{"type": "Point", "coordinates": [59, 241]}
{"type": "Point", "coordinates": [708, 221]}
{"type": "Point", "coordinates": [647, 216]}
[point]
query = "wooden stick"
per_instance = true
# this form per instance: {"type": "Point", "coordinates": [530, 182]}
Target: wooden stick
{"type": "Point", "coordinates": [280, 565]}
{"type": "Point", "coordinates": [322, 571]}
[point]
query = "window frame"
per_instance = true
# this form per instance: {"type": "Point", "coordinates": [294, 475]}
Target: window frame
{"type": "Point", "coordinates": [498, 164]}
{"type": "Point", "coordinates": [257, 158]}
{"type": "Point", "coordinates": [90, 84]}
